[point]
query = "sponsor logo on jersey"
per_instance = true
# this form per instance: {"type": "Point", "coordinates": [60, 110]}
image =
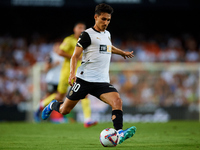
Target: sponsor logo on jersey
{"type": "Point", "coordinates": [105, 49]}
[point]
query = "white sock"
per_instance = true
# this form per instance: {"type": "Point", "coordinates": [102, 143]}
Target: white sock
{"type": "Point", "coordinates": [51, 106]}
{"type": "Point", "coordinates": [120, 134]}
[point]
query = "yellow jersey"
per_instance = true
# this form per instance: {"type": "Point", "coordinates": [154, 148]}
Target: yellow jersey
{"type": "Point", "coordinates": [68, 45]}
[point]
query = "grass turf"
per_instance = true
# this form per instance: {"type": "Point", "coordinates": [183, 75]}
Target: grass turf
{"type": "Point", "coordinates": [179, 135]}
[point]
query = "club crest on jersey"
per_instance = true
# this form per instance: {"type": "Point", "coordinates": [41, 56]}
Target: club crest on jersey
{"type": "Point", "coordinates": [105, 49]}
{"type": "Point", "coordinates": [98, 38]}
{"type": "Point", "coordinates": [70, 93]}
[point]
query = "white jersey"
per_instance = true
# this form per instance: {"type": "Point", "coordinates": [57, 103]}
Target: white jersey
{"type": "Point", "coordinates": [96, 56]}
{"type": "Point", "coordinates": [53, 74]}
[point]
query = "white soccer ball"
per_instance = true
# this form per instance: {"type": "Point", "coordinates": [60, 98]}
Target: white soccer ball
{"type": "Point", "coordinates": [109, 137]}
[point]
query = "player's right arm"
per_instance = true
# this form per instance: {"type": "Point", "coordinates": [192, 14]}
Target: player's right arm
{"type": "Point", "coordinates": [73, 63]}
{"type": "Point", "coordinates": [83, 42]}
{"type": "Point", "coordinates": [63, 53]}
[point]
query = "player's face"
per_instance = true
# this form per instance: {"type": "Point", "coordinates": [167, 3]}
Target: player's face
{"type": "Point", "coordinates": [102, 21]}
{"type": "Point", "coordinates": [78, 29]}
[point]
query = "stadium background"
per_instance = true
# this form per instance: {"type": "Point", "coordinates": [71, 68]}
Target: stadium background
{"type": "Point", "coordinates": [158, 31]}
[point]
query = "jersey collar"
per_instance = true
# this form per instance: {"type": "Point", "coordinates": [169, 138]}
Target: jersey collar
{"type": "Point", "coordinates": [97, 31]}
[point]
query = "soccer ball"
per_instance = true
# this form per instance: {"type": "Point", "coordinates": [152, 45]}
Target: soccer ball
{"type": "Point", "coordinates": [109, 137]}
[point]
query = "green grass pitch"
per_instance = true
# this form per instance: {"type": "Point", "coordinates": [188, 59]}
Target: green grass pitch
{"type": "Point", "coordinates": [175, 135]}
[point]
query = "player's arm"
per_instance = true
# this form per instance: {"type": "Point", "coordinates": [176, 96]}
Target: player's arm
{"type": "Point", "coordinates": [83, 42]}
{"type": "Point", "coordinates": [63, 48]}
{"type": "Point", "coordinates": [73, 63]}
{"type": "Point", "coordinates": [63, 53]}
{"type": "Point", "coordinates": [122, 53]}
{"type": "Point", "coordinates": [48, 64]}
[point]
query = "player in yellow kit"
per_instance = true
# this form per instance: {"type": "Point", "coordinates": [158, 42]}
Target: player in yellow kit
{"type": "Point", "coordinates": [66, 50]}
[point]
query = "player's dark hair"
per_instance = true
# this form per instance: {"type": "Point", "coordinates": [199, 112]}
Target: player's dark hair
{"type": "Point", "coordinates": [103, 8]}
{"type": "Point", "coordinates": [80, 22]}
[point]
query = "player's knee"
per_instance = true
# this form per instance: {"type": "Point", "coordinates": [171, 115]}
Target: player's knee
{"type": "Point", "coordinates": [117, 103]}
{"type": "Point", "coordinates": [65, 112]}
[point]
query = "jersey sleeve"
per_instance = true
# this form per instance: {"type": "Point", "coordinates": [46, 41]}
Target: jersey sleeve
{"type": "Point", "coordinates": [109, 36]}
{"type": "Point", "coordinates": [84, 40]}
{"type": "Point", "coordinates": [65, 45]}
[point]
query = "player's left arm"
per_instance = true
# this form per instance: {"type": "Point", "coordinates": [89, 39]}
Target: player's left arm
{"type": "Point", "coordinates": [124, 54]}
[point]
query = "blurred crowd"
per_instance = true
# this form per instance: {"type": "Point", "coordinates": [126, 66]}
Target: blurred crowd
{"type": "Point", "coordinates": [157, 88]}
{"type": "Point", "coordinates": [160, 48]}
{"type": "Point", "coordinates": [19, 54]}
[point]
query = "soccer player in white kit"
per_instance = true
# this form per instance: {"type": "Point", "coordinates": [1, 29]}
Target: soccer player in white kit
{"type": "Point", "coordinates": [92, 76]}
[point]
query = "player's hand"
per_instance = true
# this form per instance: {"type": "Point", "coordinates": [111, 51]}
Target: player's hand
{"type": "Point", "coordinates": [128, 55]}
{"type": "Point", "coordinates": [72, 79]}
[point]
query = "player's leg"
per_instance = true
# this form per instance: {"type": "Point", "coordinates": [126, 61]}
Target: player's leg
{"type": "Point", "coordinates": [114, 100]}
{"type": "Point", "coordinates": [108, 94]}
{"type": "Point", "coordinates": [78, 91]}
{"type": "Point", "coordinates": [63, 108]}
{"type": "Point", "coordinates": [85, 103]}
{"type": "Point", "coordinates": [42, 105]}
{"type": "Point", "coordinates": [59, 95]}
{"type": "Point", "coordinates": [87, 113]}
{"type": "Point", "coordinates": [55, 116]}
{"type": "Point", "coordinates": [62, 85]}
{"type": "Point", "coordinates": [48, 99]}
{"type": "Point", "coordinates": [51, 89]}
{"type": "Point", "coordinates": [66, 107]}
